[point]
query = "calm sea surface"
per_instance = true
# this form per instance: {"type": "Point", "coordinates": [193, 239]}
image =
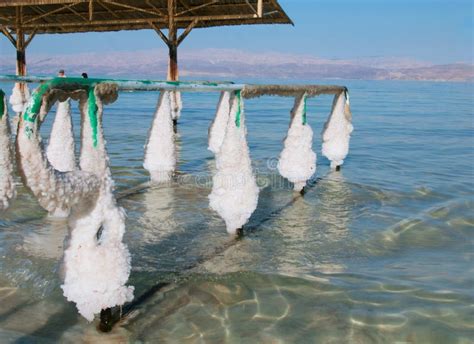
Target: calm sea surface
{"type": "Point", "coordinates": [380, 252]}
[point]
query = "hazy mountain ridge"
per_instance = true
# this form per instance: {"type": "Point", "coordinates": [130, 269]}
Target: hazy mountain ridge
{"type": "Point", "coordinates": [241, 64]}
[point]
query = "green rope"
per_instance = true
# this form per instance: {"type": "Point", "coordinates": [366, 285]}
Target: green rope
{"type": "Point", "coordinates": [34, 106]}
{"type": "Point", "coordinates": [239, 110]}
{"type": "Point", "coordinates": [304, 109]}
{"type": "Point", "coordinates": [2, 103]}
{"type": "Point", "coordinates": [92, 103]}
{"type": "Point", "coordinates": [33, 109]}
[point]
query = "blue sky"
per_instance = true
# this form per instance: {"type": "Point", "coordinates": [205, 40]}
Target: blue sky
{"type": "Point", "coordinates": [439, 31]}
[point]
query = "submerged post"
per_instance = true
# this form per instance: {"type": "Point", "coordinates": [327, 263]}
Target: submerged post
{"type": "Point", "coordinates": [173, 74]}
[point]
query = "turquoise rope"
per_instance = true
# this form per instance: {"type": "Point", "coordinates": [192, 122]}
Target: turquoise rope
{"type": "Point", "coordinates": [34, 107]}
{"type": "Point", "coordinates": [92, 103]}
{"type": "Point", "coordinates": [239, 110]}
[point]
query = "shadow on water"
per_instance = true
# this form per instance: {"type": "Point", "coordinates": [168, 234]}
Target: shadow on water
{"type": "Point", "coordinates": [159, 207]}
{"type": "Point", "coordinates": [53, 329]}
{"type": "Point", "coordinates": [4, 316]}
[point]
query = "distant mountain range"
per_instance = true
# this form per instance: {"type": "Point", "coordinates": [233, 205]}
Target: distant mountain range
{"type": "Point", "coordinates": [237, 64]}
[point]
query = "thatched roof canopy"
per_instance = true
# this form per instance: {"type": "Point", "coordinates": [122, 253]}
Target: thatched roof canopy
{"type": "Point", "coordinates": [68, 16]}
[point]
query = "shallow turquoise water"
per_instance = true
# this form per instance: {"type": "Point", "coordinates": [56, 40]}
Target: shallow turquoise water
{"type": "Point", "coordinates": [379, 252]}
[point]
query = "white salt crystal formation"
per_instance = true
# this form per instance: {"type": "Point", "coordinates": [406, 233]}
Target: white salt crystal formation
{"type": "Point", "coordinates": [337, 131]}
{"type": "Point", "coordinates": [7, 184]}
{"type": "Point", "coordinates": [60, 151]}
{"type": "Point", "coordinates": [217, 129]}
{"type": "Point", "coordinates": [297, 161]}
{"type": "Point", "coordinates": [96, 262]}
{"type": "Point", "coordinates": [54, 190]}
{"type": "Point", "coordinates": [160, 152]}
{"type": "Point", "coordinates": [18, 99]}
{"type": "Point", "coordinates": [234, 193]}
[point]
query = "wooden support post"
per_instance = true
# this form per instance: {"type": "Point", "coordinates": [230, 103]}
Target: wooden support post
{"type": "Point", "coordinates": [20, 44]}
{"type": "Point", "coordinates": [21, 51]}
{"type": "Point", "coordinates": [173, 63]}
{"type": "Point", "coordinates": [173, 50]}
{"type": "Point", "coordinates": [260, 8]}
{"type": "Point", "coordinates": [172, 42]}
{"type": "Point", "coordinates": [20, 54]}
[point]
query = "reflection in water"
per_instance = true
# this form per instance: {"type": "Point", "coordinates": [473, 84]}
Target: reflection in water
{"type": "Point", "coordinates": [47, 241]}
{"type": "Point", "coordinates": [287, 238]}
{"type": "Point", "coordinates": [335, 206]}
{"type": "Point", "coordinates": [32, 258]}
{"type": "Point", "coordinates": [320, 219]}
{"type": "Point", "coordinates": [158, 216]}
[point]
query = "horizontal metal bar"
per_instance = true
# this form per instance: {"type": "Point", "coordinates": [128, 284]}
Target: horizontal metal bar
{"type": "Point", "coordinates": [248, 90]}
{"type": "Point", "coordinates": [254, 91]}
{"type": "Point", "coordinates": [133, 85]}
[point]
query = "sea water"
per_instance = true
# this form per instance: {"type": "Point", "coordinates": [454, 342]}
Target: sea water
{"type": "Point", "coordinates": [381, 251]}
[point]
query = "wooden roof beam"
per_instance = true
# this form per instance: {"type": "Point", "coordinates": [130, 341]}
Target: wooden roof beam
{"type": "Point", "coordinates": [8, 35]}
{"type": "Point", "coordinates": [187, 31]}
{"type": "Point", "coordinates": [183, 4]}
{"type": "Point", "coordinates": [278, 8]}
{"type": "Point", "coordinates": [97, 12]}
{"type": "Point", "coordinates": [130, 27]}
{"type": "Point", "coordinates": [160, 33]}
{"type": "Point", "coordinates": [259, 11]}
{"type": "Point", "coordinates": [67, 17]}
{"type": "Point", "coordinates": [215, 17]}
{"type": "Point", "coordinates": [139, 9]}
{"type": "Point", "coordinates": [260, 8]}
{"type": "Point", "coordinates": [143, 21]}
{"type": "Point", "coordinates": [49, 13]}
{"type": "Point", "coordinates": [96, 23]}
{"type": "Point", "coordinates": [30, 38]}
{"type": "Point", "coordinates": [155, 8]}
{"type": "Point", "coordinates": [91, 10]}
{"type": "Point", "coordinates": [77, 13]}
{"type": "Point", "coordinates": [251, 6]}
{"type": "Point", "coordinates": [191, 9]}
{"type": "Point", "coordinates": [12, 3]}
{"type": "Point", "coordinates": [107, 8]}
{"type": "Point", "coordinates": [38, 10]}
